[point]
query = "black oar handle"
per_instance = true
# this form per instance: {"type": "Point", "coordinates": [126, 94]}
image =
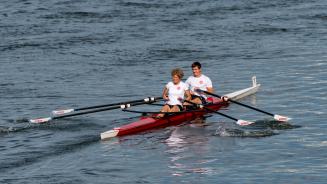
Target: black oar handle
{"type": "Point", "coordinates": [211, 110]}
{"type": "Point", "coordinates": [87, 112]}
{"type": "Point", "coordinates": [239, 103]}
{"type": "Point", "coordinates": [225, 115]}
{"type": "Point", "coordinates": [118, 103]}
{"type": "Point", "coordinates": [108, 108]}
{"type": "Point", "coordinates": [244, 105]}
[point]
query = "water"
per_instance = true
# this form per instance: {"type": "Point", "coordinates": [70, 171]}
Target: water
{"type": "Point", "coordinates": [78, 53]}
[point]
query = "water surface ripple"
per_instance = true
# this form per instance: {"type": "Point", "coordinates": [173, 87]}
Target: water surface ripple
{"type": "Point", "coordinates": [75, 53]}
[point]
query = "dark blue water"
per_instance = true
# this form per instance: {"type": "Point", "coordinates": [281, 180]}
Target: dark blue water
{"type": "Point", "coordinates": [78, 53]}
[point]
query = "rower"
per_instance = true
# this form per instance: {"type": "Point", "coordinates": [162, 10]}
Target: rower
{"type": "Point", "coordinates": [198, 81]}
{"type": "Point", "coordinates": [174, 92]}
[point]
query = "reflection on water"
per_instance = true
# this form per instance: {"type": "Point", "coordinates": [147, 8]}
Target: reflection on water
{"type": "Point", "coordinates": [253, 99]}
{"type": "Point", "coordinates": [182, 142]}
{"type": "Point", "coordinates": [188, 148]}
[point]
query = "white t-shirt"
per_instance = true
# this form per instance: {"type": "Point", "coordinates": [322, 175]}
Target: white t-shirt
{"type": "Point", "coordinates": [176, 92]}
{"type": "Point", "coordinates": [203, 82]}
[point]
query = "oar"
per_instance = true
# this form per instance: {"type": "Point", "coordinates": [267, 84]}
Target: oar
{"type": "Point", "coordinates": [123, 106]}
{"type": "Point", "coordinates": [238, 121]}
{"type": "Point", "coordinates": [276, 116]}
{"type": "Point", "coordinates": [65, 111]}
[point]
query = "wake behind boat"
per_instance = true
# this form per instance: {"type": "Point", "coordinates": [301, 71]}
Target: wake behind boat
{"type": "Point", "coordinates": [213, 104]}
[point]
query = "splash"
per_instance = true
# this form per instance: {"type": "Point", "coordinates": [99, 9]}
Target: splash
{"type": "Point", "coordinates": [261, 128]}
{"type": "Point", "coordinates": [233, 132]}
{"type": "Point", "coordinates": [273, 124]}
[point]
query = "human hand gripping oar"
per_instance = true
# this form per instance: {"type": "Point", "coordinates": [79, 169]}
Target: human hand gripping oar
{"type": "Point", "coordinates": [276, 116]}
{"type": "Point", "coordinates": [238, 121]}
{"type": "Point", "coordinates": [121, 105]}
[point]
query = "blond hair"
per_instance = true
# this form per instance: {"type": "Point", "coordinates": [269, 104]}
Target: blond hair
{"type": "Point", "coordinates": [177, 71]}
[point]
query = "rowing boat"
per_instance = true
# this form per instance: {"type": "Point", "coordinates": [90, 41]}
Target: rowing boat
{"type": "Point", "coordinates": [148, 123]}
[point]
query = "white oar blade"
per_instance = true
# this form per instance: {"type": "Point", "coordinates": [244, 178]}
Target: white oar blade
{"type": "Point", "coordinates": [40, 120]}
{"type": "Point", "coordinates": [281, 118]}
{"type": "Point", "coordinates": [243, 122]}
{"type": "Point", "coordinates": [61, 112]}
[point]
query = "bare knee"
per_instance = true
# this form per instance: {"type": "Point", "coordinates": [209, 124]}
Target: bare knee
{"type": "Point", "coordinates": [197, 101]}
{"type": "Point", "coordinates": [174, 109]}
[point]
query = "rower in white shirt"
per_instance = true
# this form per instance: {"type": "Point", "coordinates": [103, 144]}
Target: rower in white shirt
{"type": "Point", "coordinates": [199, 81]}
{"type": "Point", "coordinates": [174, 92]}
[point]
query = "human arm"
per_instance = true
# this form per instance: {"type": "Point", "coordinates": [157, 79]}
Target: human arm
{"type": "Point", "coordinates": [209, 86]}
{"type": "Point", "coordinates": [188, 95]}
{"type": "Point", "coordinates": [165, 93]}
{"type": "Point", "coordinates": [210, 89]}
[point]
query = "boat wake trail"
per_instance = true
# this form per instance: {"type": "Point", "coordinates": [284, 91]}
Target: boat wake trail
{"type": "Point", "coordinates": [32, 156]}
{"type": "Point", "coordinates": [19, 120]}
{"type": "Point", "coordinates": [15, 125]}
{"type": "Point", "coordinates": [14, 128]}
{"type": "Point", "coordinates": [261, 128]}
{"type": "Point", "coordinates": [11, 129]}
{"type": "Point", "coordinates": [69, 124]}
{"type": "Point", "coordinates": [22, 125]}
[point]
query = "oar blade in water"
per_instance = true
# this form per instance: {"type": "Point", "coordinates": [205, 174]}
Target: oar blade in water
{"type": "Point", "coordinates": [40, 120]}
{"type": "Point", "coordinates": [281, 118]}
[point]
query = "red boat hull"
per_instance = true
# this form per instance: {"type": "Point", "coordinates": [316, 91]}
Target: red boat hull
{"type": "Point", "coordinates": [148, 123]}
